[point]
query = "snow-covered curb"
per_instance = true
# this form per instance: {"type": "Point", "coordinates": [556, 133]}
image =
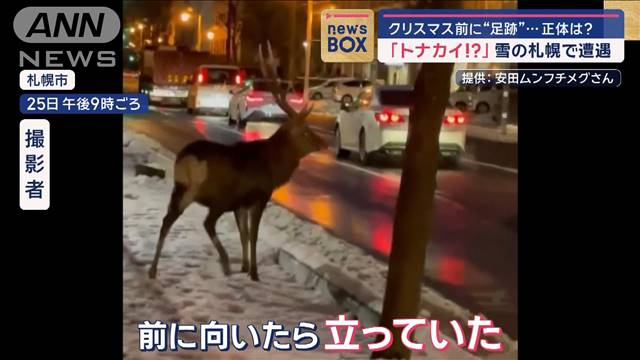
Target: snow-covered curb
{"type": "Point", "coordinates": [353, 279]}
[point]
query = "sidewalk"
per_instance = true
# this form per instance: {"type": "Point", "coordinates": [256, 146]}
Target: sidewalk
{"type": "Point", "coordinates": [306, 273]}
{"type": "Point", "coordinates": [487, 143]}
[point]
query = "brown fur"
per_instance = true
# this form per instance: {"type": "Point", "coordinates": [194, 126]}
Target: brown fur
{"type": "Point", "coordinates": [238, 178]}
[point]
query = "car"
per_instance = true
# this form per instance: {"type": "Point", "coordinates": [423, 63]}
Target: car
{"type": "Point", "coordinates": [372, 124]}
{"type": "Point", "coordinates": [255, 102]}
{"type": "Point", "coordinates": [324, 88]}
{"type": "Point", "coordinates": [345, 92]}
{"type": "Point", "coordinates": [166, 73]}
{"type": "Point", "coordinates": [482, 99]}
{"type": "Point", "coordinates": [212, 88]}
{"type": "Point", "coordinates": [462, 98]}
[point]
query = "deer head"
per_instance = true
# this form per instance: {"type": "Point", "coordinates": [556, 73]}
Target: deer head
{"type": "Point", "coordinates": [295, 130]}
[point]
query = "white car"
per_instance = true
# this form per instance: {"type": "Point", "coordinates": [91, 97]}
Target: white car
{"type": "Point", "coordinates": [212, 88]}
{"type": "Point", "coordinates": [368, 126]}
{"type": "Point", "coordinates": [346, 92]}
{"type": "Point", "coordinates": [324, 90]}
{"type": "Point", "coordinates": [255, 102]}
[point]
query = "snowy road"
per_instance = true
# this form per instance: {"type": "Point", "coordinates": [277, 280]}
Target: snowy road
{"type": "Point", "coordinates": [472, 257]}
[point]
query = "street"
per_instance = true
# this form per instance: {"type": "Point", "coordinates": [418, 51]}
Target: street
{"type": "Point", "coordinates": [472, 257]}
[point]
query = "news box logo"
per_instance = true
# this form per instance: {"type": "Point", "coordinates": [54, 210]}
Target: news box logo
{"type": "Point", "coordinates": [347, 35]}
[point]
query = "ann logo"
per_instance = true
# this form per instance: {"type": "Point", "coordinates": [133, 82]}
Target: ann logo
{"type": "Point", "coordinates": [347, 35]}
{"type": "Point", "coordinates": [71, 29]}
{"type": "Point", "coordinates": [66, 24]}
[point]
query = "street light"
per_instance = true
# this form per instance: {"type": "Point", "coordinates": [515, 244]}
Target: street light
{"type": "Point", "coordinates": [132, 30]}
{"type": "Point", "coordinates": [305, 44]}
{"type": "Point", "coordinates": [210, 36]}
{"type": "Point", "coordinates": [185, 16]}
{"type": "Point", "coordinates": [159, 39]}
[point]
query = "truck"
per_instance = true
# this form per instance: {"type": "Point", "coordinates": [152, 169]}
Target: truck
{"type": "Point", "coordinates": [166, 73]}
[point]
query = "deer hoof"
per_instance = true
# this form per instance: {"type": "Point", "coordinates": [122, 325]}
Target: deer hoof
{"type": "Point", "coordinates": [152, 273]}
{"type": "Point", "coordinates": [254, 276]}
{"type": "Point", "coordinates": [245, 268]}
{"type": "Point", "coordinates": [226, 270]}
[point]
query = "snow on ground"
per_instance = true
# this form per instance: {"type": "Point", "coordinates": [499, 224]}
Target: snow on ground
{"type": "Point", "coordinates": [190, 287]}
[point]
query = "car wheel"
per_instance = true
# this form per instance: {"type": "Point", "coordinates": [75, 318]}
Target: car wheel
{"type": "Point", "coordinates": [317, 96]}
{"type": "Point", "coordinates": [346, 99]}
{"type": "Point", "coordinates": [482, 108]}
{"type": "Point", "coordinates": [363, 156]}
{"type": "Point", "coordinates": [340, 153]}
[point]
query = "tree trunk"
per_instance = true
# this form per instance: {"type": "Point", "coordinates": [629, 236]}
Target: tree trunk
{"type": "Point", "coordinates": [414, 208]}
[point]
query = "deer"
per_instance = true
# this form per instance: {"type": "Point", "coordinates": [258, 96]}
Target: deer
{"type": "Point", "coordinates": [239, 178]}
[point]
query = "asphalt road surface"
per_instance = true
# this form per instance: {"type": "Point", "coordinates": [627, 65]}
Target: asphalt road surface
{"type": "Point", "coordinates": [472, 257]}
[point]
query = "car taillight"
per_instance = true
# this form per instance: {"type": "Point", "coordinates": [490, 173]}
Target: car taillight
{"type": "Point", "coordinates": [202, 76]}
{"type": "Point", "coordinates": [296, 100]}
{"type": "Point", "coordinates": [388, 118]}
{"type": "Point", "coordinates": [453, 120]}
{"type": "Point", "coordinates": [251, 97]}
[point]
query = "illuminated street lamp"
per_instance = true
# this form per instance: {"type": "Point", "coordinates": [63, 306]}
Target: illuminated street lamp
{"type": "Point", "coordinates": [159, 39]}
{"type": "Point", "coordinates": [210, 36]}
{"type": "Point", "coordinates": [132, 30]}
{"type": "Point", "coordinates": [185, 16]}
{"type": "Point", "coordinates": [305, 44]}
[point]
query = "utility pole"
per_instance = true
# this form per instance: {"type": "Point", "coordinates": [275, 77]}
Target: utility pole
{"type": "Point", "coordinates": [307, 50]}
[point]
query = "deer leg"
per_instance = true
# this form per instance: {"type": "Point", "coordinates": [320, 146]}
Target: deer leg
{"type": "Point", "coordinates": [243, 228]}
{"type": "Point", "coordinates": [210, 226]}
{"type": "Point", "coordinates": [176, 206]}
{"type": "Point", "coordinates": [255, 214]}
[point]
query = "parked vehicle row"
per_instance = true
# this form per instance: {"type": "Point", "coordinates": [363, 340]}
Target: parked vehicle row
{"type": "Point", "coordinates": [367, 123]}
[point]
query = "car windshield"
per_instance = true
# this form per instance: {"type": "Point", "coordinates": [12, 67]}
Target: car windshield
{"type": "Point", "coordinates": [263, 85]}
{"type": "Point", "coordinates": [221, 76]}
{"type": "Point", "coordinates": [395, 97]}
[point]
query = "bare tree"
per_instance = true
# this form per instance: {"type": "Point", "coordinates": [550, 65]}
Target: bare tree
{"type": "Point", "coordinates": [413, 222]}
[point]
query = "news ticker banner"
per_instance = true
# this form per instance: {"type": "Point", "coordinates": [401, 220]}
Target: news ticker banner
{"type": "Point", "coordinates": [500, 36]}
{"type": "Point", "coordinates": [478, 36]}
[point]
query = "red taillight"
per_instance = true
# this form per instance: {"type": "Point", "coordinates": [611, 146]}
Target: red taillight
{"type": "Point", "coordinates": [252, 97]}
{"type": "Point", "coordinates": [296, 100]}
{"type": "Point", "coordinates": [453, 120]}
{"type": "Point", "coordinates": [202, 76]}
{"type": "Point", "coordinates": [388, 118]}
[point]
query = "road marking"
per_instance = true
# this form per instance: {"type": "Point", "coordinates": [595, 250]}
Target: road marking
{"type": "Point", "coordinates": [503, 168]}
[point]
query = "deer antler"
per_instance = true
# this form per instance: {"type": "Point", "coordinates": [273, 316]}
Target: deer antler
{"type": "Point", "coordinates": [269, 72]}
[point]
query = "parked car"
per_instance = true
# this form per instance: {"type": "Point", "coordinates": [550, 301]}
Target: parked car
{"type": "Point", "coordinates": [372, 124]}
{"type": "Point", "coordinates": [481, 99]}
{"type": "Point", "coordinates": [346, 92]}
{"type": "Point", "coordinates": [324, 90]}
{"type": "Point", "coordinates": [255, 102]}
{"type": "Point", "coordinates": [212, 88]}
